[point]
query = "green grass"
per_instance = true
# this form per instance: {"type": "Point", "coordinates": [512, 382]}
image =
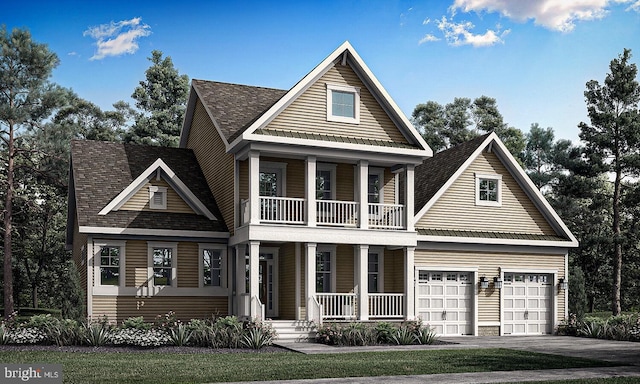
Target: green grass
{"type": "Point", "coordinates": [611, 380]}
{"type": "Point", "coordinates": [198, 368]}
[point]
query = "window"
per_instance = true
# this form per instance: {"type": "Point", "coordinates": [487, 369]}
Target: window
{"type": "Point", "coordinates": [375, 272]}
{"type": "Point", "coordinates": [157, 197]}
{"type": "Point", "coordinates": [211, 267]}
{"type": "Point", "coordinates": [325, 181]}
{"type": "Point", "coordinates": [162, 269]}
{"type": "Point", "coordinates": [268, 184]}
{"type": "Point", "coordinates": [488, 190]}
{"type": "Point", "coordinates": [323, 271]}
{"type": "Point", "coordinates": [343, 103]}
{"type": "Point", "coordinates": [109, 265]}
{"type": "Point", "coordinates": [375, 183]}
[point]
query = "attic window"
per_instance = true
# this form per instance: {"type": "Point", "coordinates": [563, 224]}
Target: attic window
{"type": "Point", "coordinates": [488, 190]}
{"type": "Point", "coordinates": [157, 197]}
{"type": "Point", "coordinates": [343, 103]}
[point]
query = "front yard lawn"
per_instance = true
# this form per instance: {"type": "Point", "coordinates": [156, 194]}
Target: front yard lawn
{"type": "Point", "coordinates": [150, 367]}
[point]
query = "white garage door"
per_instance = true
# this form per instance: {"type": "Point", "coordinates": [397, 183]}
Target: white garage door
{"type": "Point", "coordinates": [444, 301]}
{"type": "Point", "coordinates": [527, 303]}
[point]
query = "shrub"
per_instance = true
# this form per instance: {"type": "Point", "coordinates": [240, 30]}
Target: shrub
{"type": "Point", "coordinates": [26, 336]}
{"type": "Point", "coordinates": [256, 338]}
{"type": "Point", "coordinates": [227, 332]}
{"type": "Point", "coordinates": [426, 336]}
{"type": "Point", "coordinates": [136, 323]}
{"type": "Point", "coordinates": [140, 337]}
{"type": "Point", "coordinates": [167, 321]}
{"type": "Point", "coordinates": [96, 335]}
{"type": "Point", "coordinates": [592, 327]}
{"type": "Point", "coordinates": [180, 335]}
{"type": "Point", "coordinates": [330, 334]}
{"type": "Point", "coordinates": [385, 331]}
{"type": "Point", "coordinates": [202, 333]}
{"type": "Point", "coordinates": [64, 332]}
{"type": "Point", "coordinates": [4, 334]}
{"type": "Point", "coordinates": [404, 336]}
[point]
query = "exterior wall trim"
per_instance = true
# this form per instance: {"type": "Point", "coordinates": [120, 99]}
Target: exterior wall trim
{"type": "Point", "coordinates": [152, 232]}
{"type": "Point", "coordinates": [476, 240]}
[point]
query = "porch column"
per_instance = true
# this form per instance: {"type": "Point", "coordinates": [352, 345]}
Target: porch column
{"type": "Point", "coordinates": [254, 283]}
{"type": "Point", "coordinates": [409, 284]}
{"type": "Point", "coordinates": [310, 190]}
{"type": "Point", "coordinates": [310, 279]}
{"type": "Point", "coordinates": [363, 282]}
{"type": "Point", "coordinates": [254, 187]}
{"type": "Point", "coordinates": [240, 287]}
{"type": "Point", "coordinates": [363, 176]}
{"type": "Point", "coordinates": [408, 197]}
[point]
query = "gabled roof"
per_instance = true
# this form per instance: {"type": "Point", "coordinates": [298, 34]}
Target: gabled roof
{"type": "Point", "coordinates": [435, 175]}
{"type": "Point", "coordinates": [105, 174]}
{"type": "Point", "coordinates": [242, 113]}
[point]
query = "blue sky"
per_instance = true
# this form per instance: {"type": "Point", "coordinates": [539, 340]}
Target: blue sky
{"type": "Point", "coordinates": [533, 56]}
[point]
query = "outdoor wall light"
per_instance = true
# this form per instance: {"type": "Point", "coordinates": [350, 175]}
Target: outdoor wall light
{"type": "Point", "coordinates": [484, 283]}
{"type": "Point", "coordinates": [497, 282]}
{"type": "Point", "coordinates": [563, 284]}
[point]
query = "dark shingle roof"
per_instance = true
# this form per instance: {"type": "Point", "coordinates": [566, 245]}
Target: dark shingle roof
{"type": "Point", "coordinates": [434, 172]}
{"type": "Point", "coordinates": [235, 107]}
{"type": "Point", "coordinates": [101, 170]}
{"type": "Point", "coordinates": [488, 235]}
{"type": "Point", "coordinates": [334, 138]}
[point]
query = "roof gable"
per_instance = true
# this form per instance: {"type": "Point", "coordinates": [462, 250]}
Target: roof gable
{"type": "Point", "coordinates": [438, 174]}
{"type": "Point", "coordinates": [158, 169]}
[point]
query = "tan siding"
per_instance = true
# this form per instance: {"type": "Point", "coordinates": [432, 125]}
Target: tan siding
{"type": "Point", "coordinates": [140, 201]}
{"type": "Point", "coordinates": [188, 265]}
{"type": "Point", "coordinates": [287, 282]}
{"type": "Point", "coordinates": [345, 188]}
{"type": "Point", "coordinates": [119, 308]}
{"type": "Point", "coordinates": [136, 263]}
{"type": "Point", "coordinates": [80, 255]}
{"type": "Point", "coordinates": [216, 164]}
{"type": "Point", "coordinates": [489, 264]}
{"type": "Point", "coordinates": [456, 209]}
{"type": "Point", "coordinates": [344, 269]}
{"type": "Point", "coordinates": [393, 271]}
{"type": "Point", "coordinates": [296, 173]}
{"type": "Point", "coordinates": [389, 188]}
{"type": "Point", "coordinates": [243, 183]}
{"type": "Point", "coordinates": [308, 113]}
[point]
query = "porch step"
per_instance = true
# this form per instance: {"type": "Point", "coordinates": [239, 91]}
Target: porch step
{"type": "Point", "coordinates": [300, 331]}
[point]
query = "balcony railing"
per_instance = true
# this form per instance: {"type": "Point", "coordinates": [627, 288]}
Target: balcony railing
{"type": "Point", "coordinates": [386, 216]}
{"type": "Point", "coordinates": [290, 210]}
{"type": "Point", "coordinates": [338, 213]}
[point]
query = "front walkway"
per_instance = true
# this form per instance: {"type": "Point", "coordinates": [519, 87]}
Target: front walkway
{"type": "Point", "coordinates": [607, 350]}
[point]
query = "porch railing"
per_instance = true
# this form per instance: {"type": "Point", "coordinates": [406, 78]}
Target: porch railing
{"type": "Point", "coordinates": [339, 213]}
{"type": "Point", "coordinates": [258, 308]}
{"type": "Point", "coordinates": [338, 305]}
{"type": "Point", "coordinates": [386, 305]}
{"type": "Point", "coordinates": [386, 216]}
{"type": "Point", "coordinates": [286, 210]}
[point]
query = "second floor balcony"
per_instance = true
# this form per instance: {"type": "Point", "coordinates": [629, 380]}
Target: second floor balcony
{"type": "Point", "coordinates": [288, 210]}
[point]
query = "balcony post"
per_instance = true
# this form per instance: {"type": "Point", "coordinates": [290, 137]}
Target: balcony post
{"type": "Point", "coordinates": [310, 190]}
{"type": "Point", "coordinates": [409, 283]}
{"type": "Point", "coordinates": [310, 279]}
{"type": "Point", "coordinates": [363, 282]}
{"type": "Point", "coordinates": [408, 198]}
{"type": "Point", "coordinates": [363, 178]}
{"type": "Point", "coordinates": [254, 187]}
{"type": "Point", "coordinates": [254, 283]}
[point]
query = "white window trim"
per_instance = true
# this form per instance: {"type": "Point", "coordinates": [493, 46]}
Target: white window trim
{"type": "Point", "coordinates": [332, 169]}
{"type": "Point", "coordinates": [343, 88]}
{"type": "Point", "coordinates": [153, 189]}
{"type": "Point", "coordinates": [380, 252]}
{"type": "Point", "coordinates": [97, 245]}
{"type": "Point", "coordinates": [223, 264]}
{"type": "Point", "coordinates": [332, 251]}
{"type": "Point", "coordinates": [174, 264]}
{"type": "Point", "coordinates": [280, 169]}
{"type": "Point", "coordinates": [498, 178]}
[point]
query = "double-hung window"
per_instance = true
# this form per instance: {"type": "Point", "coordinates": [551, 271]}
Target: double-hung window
{"type": "Point", "coordinates": [212, 264]}
{"type": "Point", "coordinates": [109, 264]}
{"type": "Point", "coordinates": [324, 270]}
{"type": "Point", "coordinates": [343, 103]}
{"type": "Point", "coordinates": [488, 189]}
{"type": "Point", "coordinates": [325, 182]}
{"type": "Point", "coordinates": [162, 264]}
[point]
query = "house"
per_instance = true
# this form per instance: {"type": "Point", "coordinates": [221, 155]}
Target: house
{"type": "Point", "coordinates": [317, 203]}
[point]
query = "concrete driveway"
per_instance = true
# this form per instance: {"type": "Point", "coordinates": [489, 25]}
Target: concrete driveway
{"type": "Point", "coordinates": [615, 351]}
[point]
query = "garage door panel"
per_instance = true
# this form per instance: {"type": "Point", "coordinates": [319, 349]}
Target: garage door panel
{"type": "Point", "coordinates": [527, 302]}
{"type": "Point", "coordinates": [447, 302]}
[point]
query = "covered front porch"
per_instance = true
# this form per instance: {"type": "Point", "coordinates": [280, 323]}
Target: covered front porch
{"type": "Point", "coordinates": [320, 281]}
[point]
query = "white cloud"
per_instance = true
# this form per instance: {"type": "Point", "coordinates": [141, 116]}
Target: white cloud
{"type": "Point", "coordinates": [460, 34]}
{"type": "Point", "coordinates": [558, 15]}
{"type": "Point", "coordinates": [117, 38]}
{"type": "Point", "coordinates": [428, 38]}
{"type": "Point", "coordinates": [428, 20]}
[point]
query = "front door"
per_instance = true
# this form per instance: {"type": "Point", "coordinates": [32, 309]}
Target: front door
{"type": "Point", "coordinates": [268, 282]}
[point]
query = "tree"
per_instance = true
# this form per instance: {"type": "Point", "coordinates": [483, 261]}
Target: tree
{"type": "Point", "coordinates": [462, 120]}
{"type": "Point", "coordinates": [161, 100]}
{"type": "Point", "coordinates": [613, 143]}
{"type": "Point", "coordinates": [26, 99]}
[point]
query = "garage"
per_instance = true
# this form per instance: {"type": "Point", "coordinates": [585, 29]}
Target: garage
{"type": "Point", "coordinates": [444, 301]}
{"type": "Point", "coordinates": [527, 303]}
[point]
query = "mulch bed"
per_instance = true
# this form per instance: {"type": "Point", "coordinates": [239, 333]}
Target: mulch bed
{"type": "Point", "coordinates": [168, 349]}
